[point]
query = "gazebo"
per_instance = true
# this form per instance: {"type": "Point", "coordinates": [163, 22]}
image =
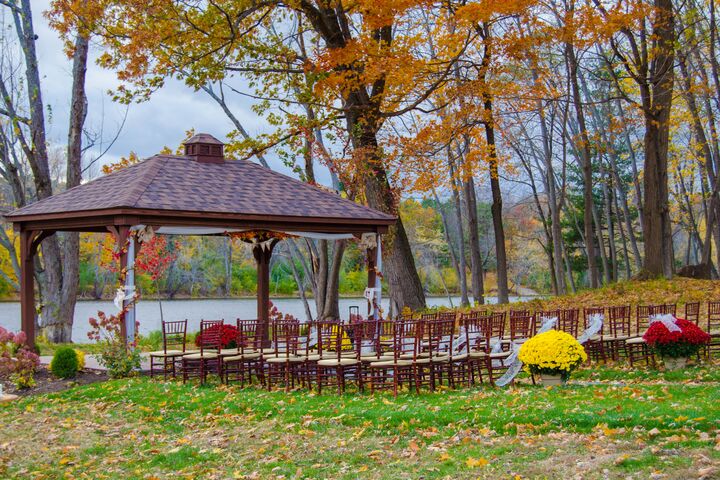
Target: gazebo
{"type": "Point", "coordinates": [199, 193]}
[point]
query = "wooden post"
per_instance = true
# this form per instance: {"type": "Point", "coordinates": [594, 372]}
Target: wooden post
{"type": "Point", "coordinates": [29, 242]}
{"type": "Point", "coordinates": [262, 253]}
{"type": "Point", "coordinates": [121, 234]}
{"type": "Point", "coordinates": [27, 286]}
{"type": "Point", "coordinates": [371, 276]}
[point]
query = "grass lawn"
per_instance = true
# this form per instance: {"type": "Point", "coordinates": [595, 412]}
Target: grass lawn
{"type": "Point", "coordinates": [607, 423]}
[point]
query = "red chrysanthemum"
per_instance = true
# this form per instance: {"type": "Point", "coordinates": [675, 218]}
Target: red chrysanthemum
{"type": "Point", "coordinates": [684, 343]}
{"type": "Point", "coordinates": [228, 336]}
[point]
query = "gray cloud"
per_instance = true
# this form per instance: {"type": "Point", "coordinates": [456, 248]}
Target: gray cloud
{"type": "Point", "coordinates": [161, 121]}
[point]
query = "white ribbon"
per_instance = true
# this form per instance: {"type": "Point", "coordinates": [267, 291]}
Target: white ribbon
{"type": "Point", "coordinates": [122, 294]}
{"type": "Point", "coordinates": [515, 364]}
{"type": "Point", "coordinates": [594, 327]}
{"type": "Point", "coordinates": [312, 337]}
{"type": "Point", "coordinates": [369, 293]}
{"type": "Point", "coordinates": [666, 319]}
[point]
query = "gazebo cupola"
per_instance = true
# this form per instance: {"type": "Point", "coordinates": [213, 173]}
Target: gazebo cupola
{"type": "Point", "coordinates": [205, 148]}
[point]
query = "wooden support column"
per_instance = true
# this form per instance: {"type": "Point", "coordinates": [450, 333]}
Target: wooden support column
{"type": "Point", "coordinates": [262, 253]}
{"type": "Point", "coordinates": [121, 234]}
{"type": "Point", "coordinates": [29, 242]}
{"type": "Point", "coordinates": [27, 287]}
{"type": "Point", "coordinates": [371, 276]}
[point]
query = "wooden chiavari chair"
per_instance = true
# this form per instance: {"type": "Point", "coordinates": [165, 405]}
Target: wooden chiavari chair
{"type": "Point", "coordinates": [282, 359]}
{"type": "Point", "coordinates": [619, 330]}
{"type": "Point", "coordinates": [692, 312]}
{"type": "Point", "coordinates": [475, 352]}
{"type": "Point", "coordinates": [208, 358]}
{"type": "Point", "coordinates": [595, 346]}
{"type": "Point", "coordinates": [713, 327]}
{"type": "Point", "coordinates": [522, 327]}
{"type": "Point", "coordinates": [636, 348]}
{"type": "Point", "coordinates": [440, 334]}
{"type": "Point", "coordinates": [569, 321]}
{"type": "Point", "coordinates": [492, 328]}
{"type": "Point", "coordinates": [334, 365]}
{"type": "Point", "coordinates": [248, 358]}
{"type": "Point", "coordinates": [393, 372]}
{"type": "Point", "coordinates": [174, 347]}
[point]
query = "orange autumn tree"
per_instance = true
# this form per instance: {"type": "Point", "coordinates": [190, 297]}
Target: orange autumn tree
{"type": "Point", "coordinates": [457, 143]}
{"type": "Point", "coordinates": [357, 64]}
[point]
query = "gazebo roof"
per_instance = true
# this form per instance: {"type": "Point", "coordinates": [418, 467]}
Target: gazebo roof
{"type": "Point", "coordinates": [201, 190]}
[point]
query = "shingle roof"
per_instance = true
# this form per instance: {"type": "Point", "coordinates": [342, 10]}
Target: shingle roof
{"type": "Point", "coordinates": [182, 184]}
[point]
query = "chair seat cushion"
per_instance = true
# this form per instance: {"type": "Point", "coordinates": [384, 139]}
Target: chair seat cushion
{"type": "Point", "coordinates": [334, 362]}
{"type": "Point", "coordinates": [375, 358]}
{"type": "Point", "coordinates": [240, 358]}
{"type": "Point", "coordinates": [635, 341]}
{"type": "Point", "coordinates": [615, 338]}
{"type": "Point", "coordinates": [169, 353]}
{"type": "Point", "coordinates": [201, 356]}
{"type": "Point", "coordinates": [285, 359]}
{"type": "Point", "coordinates": [229, 351]}
{"type": "Point", "coordinates": [391, 363]}
{"type": "Point", "coordinates": [477, 354]}
{"type": "Point", "coordinates": [500, 354]}
{"type": "Point", "coordinates": [281, 351]}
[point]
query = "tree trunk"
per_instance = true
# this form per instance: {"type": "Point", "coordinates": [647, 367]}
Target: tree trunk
{"type": "Point", "coordinates": [586, 164]}
{"type": "Point", "coordinates": [476, 267]}
{"type": "Point", "coordinates": [656, 210]}
{"type": "Point", "coordinates": [61, 331]}
{"type": "Point", "coordinates": [496, 209]}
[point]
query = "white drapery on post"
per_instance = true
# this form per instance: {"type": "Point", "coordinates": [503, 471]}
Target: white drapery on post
{"type": "Point", "coordinates": [378, 278]}
{"type": "Point", "coordinates": [129, 300]}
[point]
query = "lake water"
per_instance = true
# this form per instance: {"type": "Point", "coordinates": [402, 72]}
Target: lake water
{"type": "Point", "coordinates": [148, 311]}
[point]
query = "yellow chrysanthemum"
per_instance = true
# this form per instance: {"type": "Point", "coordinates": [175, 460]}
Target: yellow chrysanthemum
{"type": "Point", "coordinates": [552, 352]}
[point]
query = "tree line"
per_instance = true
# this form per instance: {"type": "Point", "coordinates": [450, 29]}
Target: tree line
{"type": "Point", "coordinates": [587, 127]}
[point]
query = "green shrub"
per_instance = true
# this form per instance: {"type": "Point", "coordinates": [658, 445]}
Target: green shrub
{"type": "Point", "coordinates": [64, 363]}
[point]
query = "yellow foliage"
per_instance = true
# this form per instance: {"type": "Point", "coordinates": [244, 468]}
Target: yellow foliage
{"type": "Point", "coordinates": [80, 358]}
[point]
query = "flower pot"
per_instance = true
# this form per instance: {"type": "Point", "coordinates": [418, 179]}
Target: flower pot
{"type": "Point", "coordinates": [674, 363]}
{"type": "Point", "coordinates": [551, 380]}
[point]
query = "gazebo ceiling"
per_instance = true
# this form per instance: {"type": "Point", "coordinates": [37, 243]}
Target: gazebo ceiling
{"type": "Point", "coordinates": [200, 190]}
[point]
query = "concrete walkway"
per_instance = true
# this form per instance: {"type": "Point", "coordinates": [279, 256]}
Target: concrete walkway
{"type": "Point", "coordinates": [92, 363]}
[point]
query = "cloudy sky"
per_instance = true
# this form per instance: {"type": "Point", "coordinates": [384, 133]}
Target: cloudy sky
{"type": "Point", "coordinates": [161, 121]}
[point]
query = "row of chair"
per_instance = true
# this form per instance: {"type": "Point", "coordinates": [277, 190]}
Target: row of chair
{"type": "Point", "coordinates": [369, 353]}
{"type": "Point", "coordinates": [424, 350]}
{"type": "Point", "coordinates": [623, 326]}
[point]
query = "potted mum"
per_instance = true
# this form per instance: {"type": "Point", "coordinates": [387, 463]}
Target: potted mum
{"type": "Point", "coordinates": [228, 335]}
{"type": "Point", "coordinates": [675, 344]}
{"type": "Point", "coordinates": [553, 355]}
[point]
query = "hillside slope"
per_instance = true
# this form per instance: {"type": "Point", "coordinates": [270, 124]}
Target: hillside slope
{"type": "Point", "coordinates": [649, 292]}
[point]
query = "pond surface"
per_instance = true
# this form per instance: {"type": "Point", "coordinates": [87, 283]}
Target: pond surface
{"type": "Point", "coordinates": [148, 311]}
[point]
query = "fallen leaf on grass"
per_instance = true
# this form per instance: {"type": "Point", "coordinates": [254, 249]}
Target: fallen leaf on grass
{"type": "Point", "coordinates": [476, 462]}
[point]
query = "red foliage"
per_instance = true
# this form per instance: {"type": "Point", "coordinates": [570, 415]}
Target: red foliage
{"type": "Point", "coordinates": [228, 336]}
{"type": "Point", "coordinates": [277, 316]}
{"type": "Point", "coordinates": [154, 257]}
